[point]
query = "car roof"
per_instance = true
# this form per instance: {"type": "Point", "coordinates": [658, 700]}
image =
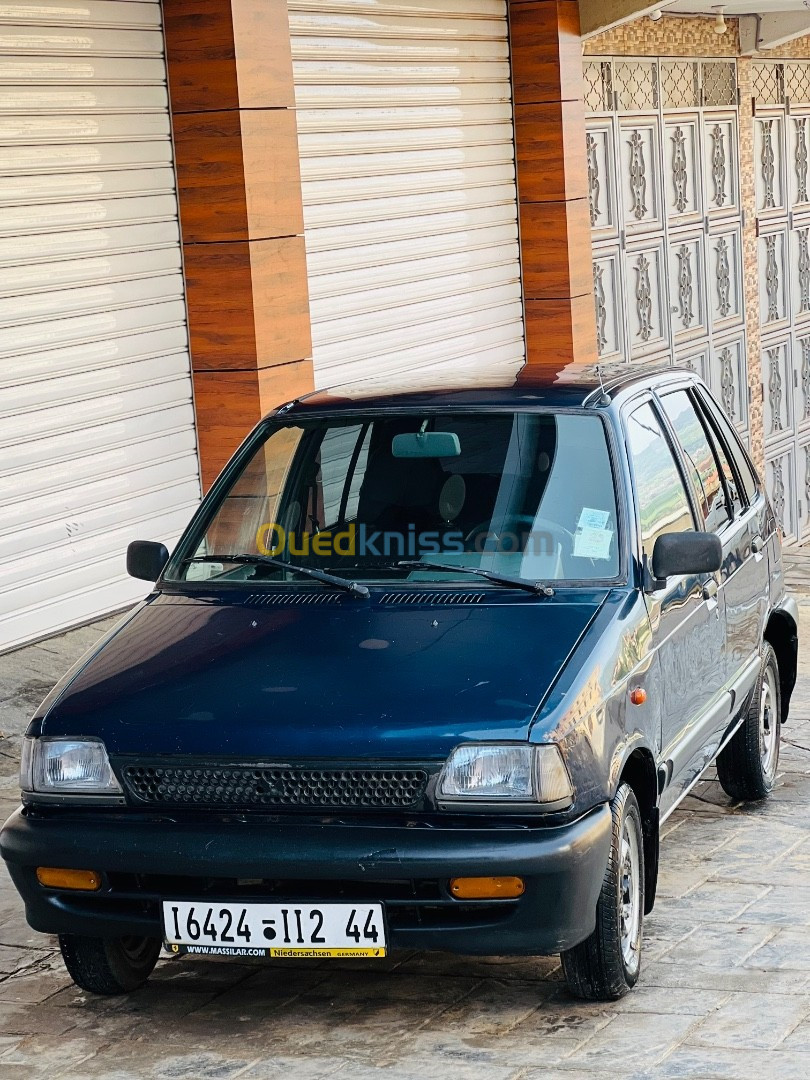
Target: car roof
{"type": "Point", "coordinates": [576, 385]}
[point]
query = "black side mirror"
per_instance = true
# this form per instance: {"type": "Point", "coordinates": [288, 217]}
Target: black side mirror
{"type": "Point", "coordinates": [146, 560]}
{"type": "Point", "coordinates": [685, 553]}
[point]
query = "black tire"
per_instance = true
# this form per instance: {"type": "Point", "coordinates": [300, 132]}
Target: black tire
{"type": "Point", "coordinates": [109, 965]}
{"type": "Point", "coordinates": [747, 767]}
{"type": "Point", "coordinates": [599, 969]}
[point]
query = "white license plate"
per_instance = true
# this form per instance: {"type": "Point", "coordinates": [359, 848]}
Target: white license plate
{"type": "Point", "coordinates": [300, 930]}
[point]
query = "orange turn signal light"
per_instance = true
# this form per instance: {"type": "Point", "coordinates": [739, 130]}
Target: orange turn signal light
{"type": "Point", "coordinates": [52, 878]}
{"type": "Point", "coordinates": [638, 696]}
{"type": "Point", "coordinates": [487, 888]}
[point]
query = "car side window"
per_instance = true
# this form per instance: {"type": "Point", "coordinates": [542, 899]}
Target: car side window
{"type": "Point", "coordinates": [728, 474]}
{"type": "Point", "coordinates": [702, 463]}
{"type": "Point", "coordinates": [661, 499]}
{"type": "Point", "coordinates": [745, 470]}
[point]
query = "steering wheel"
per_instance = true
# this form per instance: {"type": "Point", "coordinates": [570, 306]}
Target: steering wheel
{"type": "Point", "coordinates": [520, 523]}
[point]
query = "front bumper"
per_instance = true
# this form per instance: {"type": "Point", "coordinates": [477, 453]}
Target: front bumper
{"type": "Point", "coordinates": [146, 858]}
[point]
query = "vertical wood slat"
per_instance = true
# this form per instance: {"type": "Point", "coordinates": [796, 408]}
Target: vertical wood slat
{"type": "Point", "coordinates": [552, 183]}
{"type": "Point", "coordinates": [236, 153]}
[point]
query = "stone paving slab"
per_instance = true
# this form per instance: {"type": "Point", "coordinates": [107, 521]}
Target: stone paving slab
{"type": "Point", "coordinates": [724, 992]}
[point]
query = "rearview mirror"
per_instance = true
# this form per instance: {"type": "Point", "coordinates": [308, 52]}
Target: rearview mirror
{"type": "Point", "coordinates": [146, 559]}
{"type": "Point", "coordinates": [685, 553]}
{"type": "Point", "coordinates": [426, 444]}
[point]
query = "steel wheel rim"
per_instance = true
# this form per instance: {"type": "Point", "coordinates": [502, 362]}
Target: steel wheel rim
{"type": "Point", "coordinates": [768, 724]}
{"type": "Point", "coordinates": [630, 895]}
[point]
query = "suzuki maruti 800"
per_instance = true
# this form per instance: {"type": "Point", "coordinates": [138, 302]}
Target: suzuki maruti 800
{"type": "Point", "coordinates": [427, 670]}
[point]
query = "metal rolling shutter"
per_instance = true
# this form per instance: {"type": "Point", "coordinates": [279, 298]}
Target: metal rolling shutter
{"type": "Point", "coordinates": [97, 440]}
{"type": "Point", "coordinates": [408, 174]}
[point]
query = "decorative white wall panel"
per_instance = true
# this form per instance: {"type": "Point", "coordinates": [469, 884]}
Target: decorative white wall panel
{"type": "Point", "coordinates": [602, 177]}
{"type": "Point", "coordinates": [728, 377]}
{"type": "Point", "coordinates": [721, 174]}
{"type": "Point", "coordinates": [695, 359]}
{"type": "Point", "coordinates": [607, 293]}
{"type": "Point", "coordinates": [648, 303]}
{"type": "Point", "coordinates": [639, 151]}
{"type": "Point", "coordinates": [408, 177]}
{"type": "Point", "coordinates": [97, 441]}
{"type": "Point", "coordinates": [769, 164]}
{"type": "Point", "coordinates": [778, 385]}
{"type": "Point", "coordinates": [668, 282]}
{"type": "Point", "coordinates": [726, 278]}
{"type": "Point", "coordinates": [774, 297]}
{"type": "Point", "coordinates": [782, 165]}
{"type": "Point", "coordinates": [687, 285]}
{"type": "Point", "coordinates": [780, 483]}
{"type": "Point", "coordinates": [682, 177]}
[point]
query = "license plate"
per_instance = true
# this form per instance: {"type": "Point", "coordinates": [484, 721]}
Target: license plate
{"type": "Point", "coordinates": [299, 930]}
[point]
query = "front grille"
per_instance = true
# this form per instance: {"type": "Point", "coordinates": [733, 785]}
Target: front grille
{"type": "Point", "coordinates": [285, 788]}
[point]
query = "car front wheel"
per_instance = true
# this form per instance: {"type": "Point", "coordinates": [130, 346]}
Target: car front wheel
{"type": "Point", "coordinates": [606, 965]}
{"type": "Point", "coordinates": [109, 965]}
{"type": "Point", "coordinates": [746, 768]}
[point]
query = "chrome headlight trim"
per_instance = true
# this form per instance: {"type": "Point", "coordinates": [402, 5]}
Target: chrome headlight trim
{"type": "Point", "coordinates": [62, 765]}
{"type": "Point", "coordinates": [478, 776]}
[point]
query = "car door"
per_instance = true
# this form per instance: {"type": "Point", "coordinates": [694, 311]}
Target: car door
{"type": "Point", "coordinates": [686, 614]}
{"type": "Point", "coordinates": [745, 573]}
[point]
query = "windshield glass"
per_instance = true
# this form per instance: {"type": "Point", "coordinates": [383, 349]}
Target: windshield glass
{"type": "Point", "coordinates": [529, 495]}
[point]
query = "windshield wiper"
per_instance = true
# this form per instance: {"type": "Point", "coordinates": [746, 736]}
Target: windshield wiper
{"type": "Point", "coordinates": [498, 579]}
{"type": "Point", "coordinates": [267, 560]}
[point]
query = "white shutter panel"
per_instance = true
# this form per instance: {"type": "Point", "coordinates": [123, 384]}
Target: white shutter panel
{"type": "Point", "coordinates": [408, 175]}
{"type": "Point", "coordinates": [97, 440]}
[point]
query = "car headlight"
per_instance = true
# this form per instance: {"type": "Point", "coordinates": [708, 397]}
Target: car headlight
{"type": "Point", "coordinates": [501, 774]}
{"type": "Point", "coordinates": [67, 766]}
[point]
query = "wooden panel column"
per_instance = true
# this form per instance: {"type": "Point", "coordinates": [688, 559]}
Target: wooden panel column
{"type": "Point", "coordinates": [552, 183]}
{"type": "Point", "coordinates": [236, 151]}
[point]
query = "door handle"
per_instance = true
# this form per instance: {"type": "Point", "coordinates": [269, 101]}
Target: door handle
{"type": "Point", "coordinates": [710, 590]}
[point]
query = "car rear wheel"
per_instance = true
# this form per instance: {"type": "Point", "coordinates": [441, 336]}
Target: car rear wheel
{"type": "Point", "coordinates": [109, 965]}
{"type": "Point", "coordinates": [606, 965]}
{"type": "Point", "coordinates": [746, 768]}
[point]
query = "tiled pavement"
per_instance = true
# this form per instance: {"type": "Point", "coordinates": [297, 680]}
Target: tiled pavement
{"type": "Point", "coordinates": [725, 989]}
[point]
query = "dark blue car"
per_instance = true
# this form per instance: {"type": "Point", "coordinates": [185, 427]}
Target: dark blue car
{"type": "Point", "coordinates": [427, 670]}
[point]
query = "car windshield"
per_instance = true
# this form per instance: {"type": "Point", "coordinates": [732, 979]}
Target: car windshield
{"type": "Point", "coordinates": [528, 495]}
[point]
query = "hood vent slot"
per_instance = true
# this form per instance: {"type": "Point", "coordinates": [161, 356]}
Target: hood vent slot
{"type": "Point", "coordinates": [442, 597]}
{"type": "Point", "coordinates": [286, 599]}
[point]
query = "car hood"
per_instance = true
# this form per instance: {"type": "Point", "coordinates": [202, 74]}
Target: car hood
{"type": "Point", "coordinates": [349, 678]}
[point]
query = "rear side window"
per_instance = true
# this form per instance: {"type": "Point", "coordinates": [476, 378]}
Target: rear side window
{"type": "Point", "coordinates": [745, 470]}
{"type": "Point", "coordinates": [728, 473]}
{"type": "Point", "coordinates": [702, 464]}
{"type": "Point", "coordinates": [661, 499]}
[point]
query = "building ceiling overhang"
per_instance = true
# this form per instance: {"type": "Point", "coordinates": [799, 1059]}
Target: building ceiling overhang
{"type": "Point", "coordinates": [764, 24]}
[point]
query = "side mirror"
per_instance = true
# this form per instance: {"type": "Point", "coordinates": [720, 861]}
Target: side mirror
{"type": "Point", "coordinates": [685, 553]}
{"type": "Point", "coordinates": [146, 559]}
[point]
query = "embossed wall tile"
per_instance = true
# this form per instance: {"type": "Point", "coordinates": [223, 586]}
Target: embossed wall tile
{"type": "Point", "coordinates": [772, 278]}
{"type": "Point", "coordinates": [637, 176]}
{"type": "Point", "coordinates": [727, 390]}
{"type": "Point", "coordinates": [680, 174]}
{"type": "Point", "coordinates": [685, 289]}
{"type": "Point", "coordinates": [594, 185]}
{"type": "Point", "coordinates": [800, 157]}
{"type": "Point", "coordinates": [767, 165]}
{"type": "Point", "coordinates": [600, 307]}
{"type": "Point", "coordinates": [718, 165]}
{"type": "Point", "coordinates": [644, 298]}
{"type": "Point", "coordinates": [775, 387]}
{"type": "Point", "coordinates": [723, 277]}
